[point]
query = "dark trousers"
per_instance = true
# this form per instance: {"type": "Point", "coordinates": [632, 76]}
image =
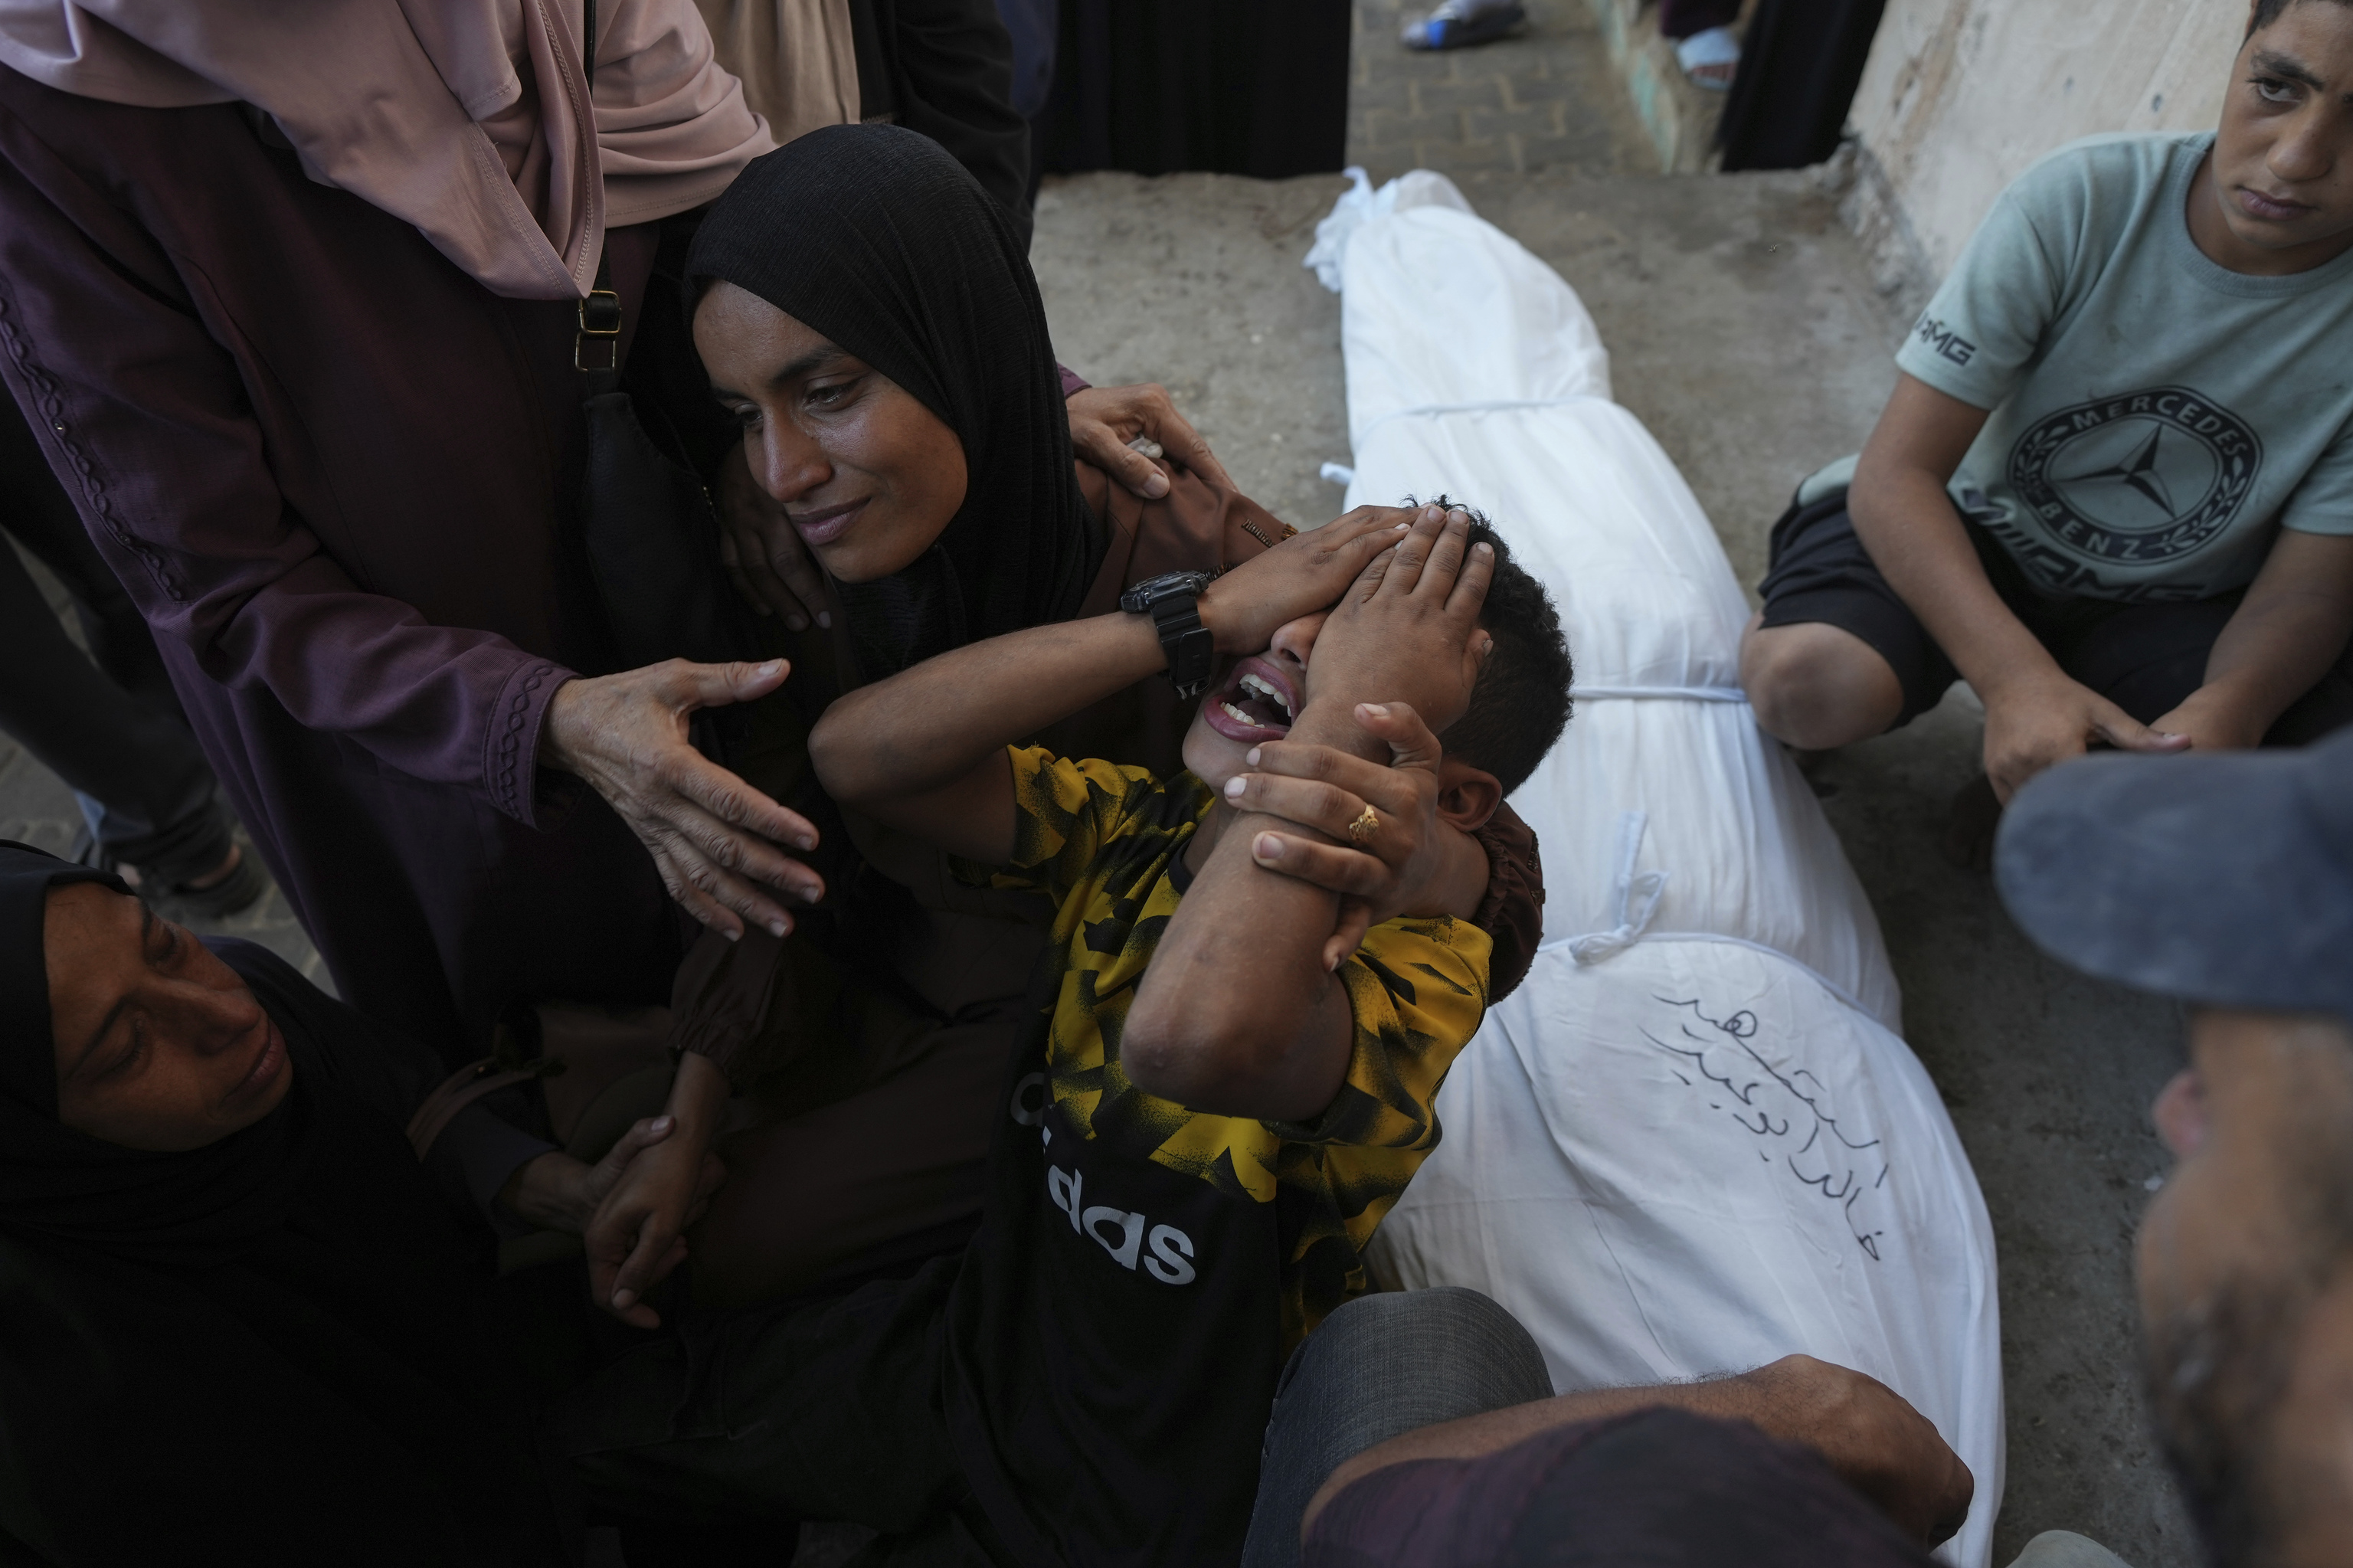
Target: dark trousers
{"type": "Point", "coordinates": [832, 1411]}
{"type": "Point", "coordinates": [106, 722]}
{"type": "Point", "coordinates": [1682, 18]}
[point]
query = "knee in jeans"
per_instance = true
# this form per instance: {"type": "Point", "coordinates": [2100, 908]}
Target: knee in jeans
{"type": "Point", "coordinates": [1384, 1314]}
{"type": "Point", "coordinates": [1451, 1322]}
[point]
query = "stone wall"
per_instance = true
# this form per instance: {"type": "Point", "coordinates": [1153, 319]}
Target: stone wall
{"type": "Point", "coordinates": [1961, 95]}
{"type": "Point", "coordinates": [1679, 118]}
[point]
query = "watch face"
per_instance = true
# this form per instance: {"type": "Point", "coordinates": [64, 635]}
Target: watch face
{"type": "Point", "coordinates": [1167, 585]}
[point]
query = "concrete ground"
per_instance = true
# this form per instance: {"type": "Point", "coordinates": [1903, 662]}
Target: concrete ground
{"type": "Point", "coordinates": [1745, 333]}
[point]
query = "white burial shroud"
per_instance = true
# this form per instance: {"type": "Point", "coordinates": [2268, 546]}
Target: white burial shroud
{"type": "Point", "coordinates": [1692, 1142]}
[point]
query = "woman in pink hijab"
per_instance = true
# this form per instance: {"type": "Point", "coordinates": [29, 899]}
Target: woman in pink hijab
{"type": "Point", "coordinates": [291, 295]}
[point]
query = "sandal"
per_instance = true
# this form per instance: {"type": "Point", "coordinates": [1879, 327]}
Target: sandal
{"type": "Point", "coordinates": [1711, 59]}
{"type": "Point", "coordinates": [1459, 23]}
{"type": "Point", "coordinates": [240, 890]}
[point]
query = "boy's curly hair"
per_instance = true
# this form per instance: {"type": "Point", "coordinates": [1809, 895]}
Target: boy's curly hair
{"type": "Point", "coordinates": [1521, 703]}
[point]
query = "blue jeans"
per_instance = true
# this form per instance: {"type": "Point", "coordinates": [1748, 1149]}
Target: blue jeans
{"type": "Point", "coordinates": [1379, 1367]}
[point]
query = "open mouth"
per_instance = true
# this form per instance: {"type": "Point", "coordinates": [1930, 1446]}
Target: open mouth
{"type": "Point", "coordinates": [1257, 703]}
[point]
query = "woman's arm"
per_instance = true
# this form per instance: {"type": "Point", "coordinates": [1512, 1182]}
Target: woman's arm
{"type": "Point", "coordinates": [2035, 714]}
{"type": "Point", "coordinates": [924, 751]}
{"type": "Point", "coordinates": [151, 426]}
{"type": "Point", "coordinates": [2285, 634]}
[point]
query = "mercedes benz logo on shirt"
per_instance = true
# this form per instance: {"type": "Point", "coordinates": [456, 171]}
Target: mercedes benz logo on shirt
{"type": "Point", "coordinates": [2146, 477]}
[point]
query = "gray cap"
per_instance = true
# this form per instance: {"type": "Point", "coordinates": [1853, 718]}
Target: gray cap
{"type": "Point", "coordinates": [2223, 879]}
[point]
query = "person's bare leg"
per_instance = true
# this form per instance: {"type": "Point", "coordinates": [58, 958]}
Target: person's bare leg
{"type": "Point", "coordinates": [1815, 686]}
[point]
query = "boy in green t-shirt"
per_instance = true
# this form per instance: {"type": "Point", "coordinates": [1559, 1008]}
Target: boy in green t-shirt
{"type": "Point", "coordinates": [2114, 488]}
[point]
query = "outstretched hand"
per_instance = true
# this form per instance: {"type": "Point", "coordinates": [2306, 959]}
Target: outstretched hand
{"type": "Point", "coordinates": [712, 836]}
{"type": "Point", "coordinates": [1405, 868]}
{"type": "Point", "coordinates": [1104, 419]}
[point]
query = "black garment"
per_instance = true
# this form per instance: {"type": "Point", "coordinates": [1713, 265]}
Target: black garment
{"type": "Point", "coordinates": [113, 730]}
{"type": "Point", "coordinates": [1682, 18]}
{"type": "Point", "coordinates": [1236, 87]}
{"type": "Point", "coordinates": [1799, 66]}
{"type": "Point", "coordinates": [28, 1069]}
{"type": "Point", "coordinates": [2146, 657]}
{"type": "Point", "coordinates": [270, 1350]}
{"type": "Point", "coordinates": [1115, 1344]}
{"type": "Point", "coordinates": [996, 1406]}
{"type": "Point", "coordinates": [945, 67]}
{"type": "Point", "coordinates": [1035, 27]}
{"type": "Point", "coordinates": [1664, 1488]}
{"type": "Point", "coordinates": [821, 1408]}
{"type": "Point", "coordinates": [874, 237]}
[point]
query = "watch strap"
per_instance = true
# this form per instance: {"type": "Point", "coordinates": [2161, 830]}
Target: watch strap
{"type": "Point", "coordinates": [1191, 646]}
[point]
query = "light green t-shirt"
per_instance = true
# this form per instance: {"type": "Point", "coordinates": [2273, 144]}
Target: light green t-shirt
{"type": "Point", "coordinates": [2157, 419]}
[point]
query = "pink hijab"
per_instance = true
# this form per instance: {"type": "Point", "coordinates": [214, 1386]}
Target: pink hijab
{"type": "Point", "coordinates": [468, 118]}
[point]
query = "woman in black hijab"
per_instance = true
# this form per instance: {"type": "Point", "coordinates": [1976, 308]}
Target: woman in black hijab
{"type": "Point", "coordinates": [239, 1321]}
{"type": "Point", "coordinates": [869, 316]}
{"type": "Point", "coordinates": [910, 269]}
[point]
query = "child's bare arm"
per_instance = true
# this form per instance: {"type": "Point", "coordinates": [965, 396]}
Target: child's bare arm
{"type": "Point", "coordinates": [1238, 1014]}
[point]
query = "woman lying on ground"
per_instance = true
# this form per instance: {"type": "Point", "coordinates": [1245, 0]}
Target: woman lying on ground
{"type": "Point", "coordinates": [239, 1320]}
{"type": "Point", "coordinates": [902, 412]}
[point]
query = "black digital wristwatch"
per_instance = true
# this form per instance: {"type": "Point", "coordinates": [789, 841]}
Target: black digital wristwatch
{"type": "Point", "coordinates": [1173, 601]}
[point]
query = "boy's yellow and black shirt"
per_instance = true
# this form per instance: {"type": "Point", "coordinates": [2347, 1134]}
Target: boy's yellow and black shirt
{"type": "Point", "coordinates": [1107, 843]}
{"type": "Point", "coordinates": [1141, 1271]}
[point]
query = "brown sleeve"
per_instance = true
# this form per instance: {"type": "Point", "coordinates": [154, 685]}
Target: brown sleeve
{"type": "Point", "coordinates": [1513, 911]}
{"type": "Point", "coordinates": [722, 996]}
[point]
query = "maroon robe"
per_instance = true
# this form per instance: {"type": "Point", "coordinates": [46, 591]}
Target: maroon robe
{"type": "Point", "coordinates": [337, 476]}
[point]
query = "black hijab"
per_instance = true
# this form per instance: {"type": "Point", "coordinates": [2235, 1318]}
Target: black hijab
{"type": "Point", "coordinates": [270, 1349]}
{"type": "Point", "coordinates": [876, 238]}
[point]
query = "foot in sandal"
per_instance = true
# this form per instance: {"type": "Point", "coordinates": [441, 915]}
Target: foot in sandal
{"type": "Point", "coordinates": [1711, 58]}
{"type": "Point", "coordinates": [1460, 23]}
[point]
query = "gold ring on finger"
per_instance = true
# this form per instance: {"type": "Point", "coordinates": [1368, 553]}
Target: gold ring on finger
{"type": "Point", "coordinates": [1366, 824]}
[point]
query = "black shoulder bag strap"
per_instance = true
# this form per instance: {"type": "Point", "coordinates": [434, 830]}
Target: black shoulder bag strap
{"type": "Point", "coordinates": [645, 522]}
